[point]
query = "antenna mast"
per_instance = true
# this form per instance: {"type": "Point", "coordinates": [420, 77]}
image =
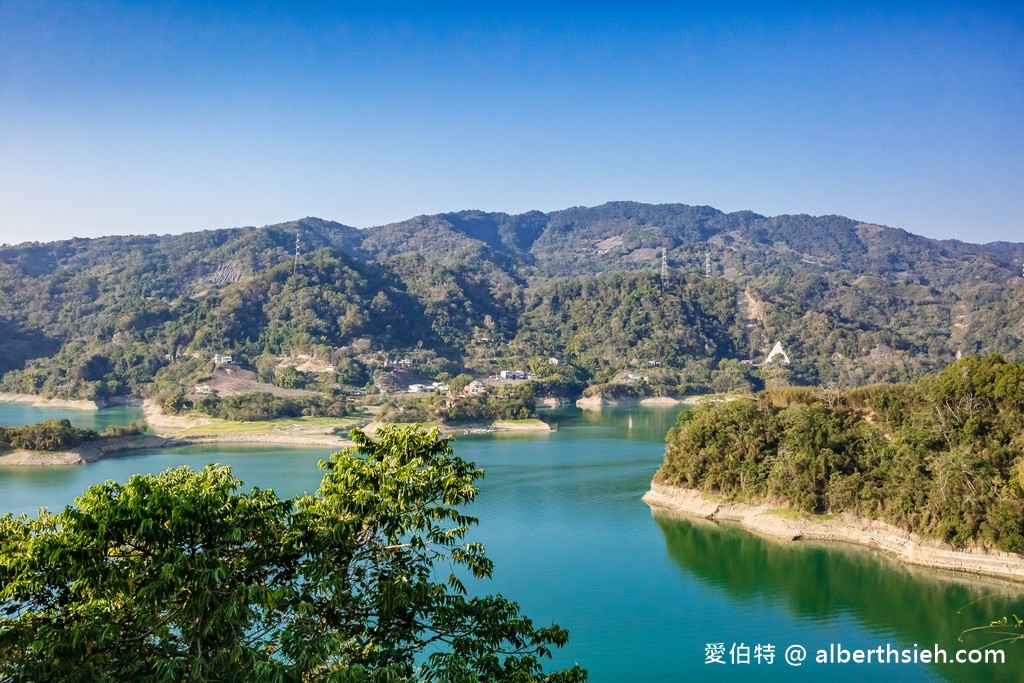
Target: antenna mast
{"type": "Point", "coordinates": [664, 265]}
{"type": "Point", "coordinates": [295, 265]}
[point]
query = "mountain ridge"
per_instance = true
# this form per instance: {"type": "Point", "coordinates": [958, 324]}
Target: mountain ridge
{"type": "Point", "coordinates": [851, 301]}
{"type": "Point", "coordinates": [461, 215]}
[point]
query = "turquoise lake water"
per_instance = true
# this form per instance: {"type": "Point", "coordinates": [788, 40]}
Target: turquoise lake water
{"type": "Point", "coordinates": [643, 595]}
{"type": "Point", "coordinates": [16, 414]}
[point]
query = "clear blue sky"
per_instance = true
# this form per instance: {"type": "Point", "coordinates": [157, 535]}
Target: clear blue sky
{"type": "Point", "coordinates": [171, 117]}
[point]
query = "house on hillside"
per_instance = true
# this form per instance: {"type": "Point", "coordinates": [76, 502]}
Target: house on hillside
{"type": "Point", "coordinates": [474, 388]}
{"type": "Point", "coordinates": [513, 374]}
{"type": "Point", "coordinates": [222, 360]}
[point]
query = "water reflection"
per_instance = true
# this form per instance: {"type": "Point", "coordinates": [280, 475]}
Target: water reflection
{"type": "Point", "coordinates": [829, 584]}
{"type": "Point", "coordinates": [643, 423]}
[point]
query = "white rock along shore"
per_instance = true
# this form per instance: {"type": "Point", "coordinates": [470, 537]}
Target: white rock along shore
{"type": "Point", "coordinates": [846, 528]}
{"type": "Point", "coordinates": [90, 451]}
{"type": "Point", "coordinates": [41, 402]}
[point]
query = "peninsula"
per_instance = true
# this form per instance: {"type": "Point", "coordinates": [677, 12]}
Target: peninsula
{"type": "Point", "coordinates": [929, 472]}
{"type": "Point", "coordinates": [56, 442]}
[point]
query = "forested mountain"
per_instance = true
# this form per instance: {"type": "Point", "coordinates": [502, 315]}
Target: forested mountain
{"type": "Point", "coordinates": [607, 290]}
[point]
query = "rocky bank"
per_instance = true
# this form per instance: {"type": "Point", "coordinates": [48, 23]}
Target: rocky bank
{"type": "Point", "coordinates": [905, 546]}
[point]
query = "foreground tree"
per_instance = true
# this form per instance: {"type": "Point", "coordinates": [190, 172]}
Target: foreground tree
{"type": "Point", "coordinates": [180, 576]}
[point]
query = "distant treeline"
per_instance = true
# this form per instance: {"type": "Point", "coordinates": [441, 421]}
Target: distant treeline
{"type": "Point", "coordinates": [259, 406]}
{"type": "Point", "coordinates": [58, 435]}
{"type": "Point", "coordinates": [487, 409]}
{"type": "Point", "coordinates": [513, 404]}
{"type": "Point", "coordinates": [943, 457]}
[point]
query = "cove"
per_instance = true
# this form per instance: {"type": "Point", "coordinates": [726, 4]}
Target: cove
{"type": "Point", "coordinates": [641, 593]}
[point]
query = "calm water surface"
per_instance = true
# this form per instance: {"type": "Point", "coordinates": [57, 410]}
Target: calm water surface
{"type": "Point", "coordinates": [17, 414]}
{"type": "Point", "coordinates": [642, 594]}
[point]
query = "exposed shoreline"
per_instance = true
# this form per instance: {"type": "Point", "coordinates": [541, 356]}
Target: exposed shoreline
{"type": "Point", "coordinates": [478, 427]}
{"type": "Point", "coordinates": [589, 402]}
{"type": "Point", "coordinates": [97, 450]}
{"type": "Point", "coordinates": [90, 451]}
{"type": "Point", "coordinates": [169, 430]}
{"type": "Point", "coordinates": [41, 402]}
{"type": "Point", "coordinates": [903, 545]}
{"type": "Point", "coordinates": [263, 438]}
{"type": "Point", "coordinates": [520, 426]}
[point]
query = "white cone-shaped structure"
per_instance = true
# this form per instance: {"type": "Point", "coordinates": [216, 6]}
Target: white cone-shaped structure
{"type": "Point", "coordinates": [777, 353]}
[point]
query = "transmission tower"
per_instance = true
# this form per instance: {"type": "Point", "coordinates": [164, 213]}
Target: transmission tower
{"type": "Point", "coordinates": [707, 264]}
{"type": "Point", "coordinates": [295, 265]}
{"type": "Point", "coordinates": [664, 265]}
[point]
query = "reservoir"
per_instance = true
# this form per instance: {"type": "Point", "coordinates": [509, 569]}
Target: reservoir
{"type": "Point", "coordinates": [645, 597]}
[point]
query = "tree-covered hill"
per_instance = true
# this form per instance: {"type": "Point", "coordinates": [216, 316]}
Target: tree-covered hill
{"type": "Point", "coordinates": [852, 303]}
{"type": "Point", "coordinates": [941, 457]}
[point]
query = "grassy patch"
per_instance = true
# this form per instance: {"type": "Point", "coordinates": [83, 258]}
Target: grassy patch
{"type": "Point", "coordinates": [300, 425]}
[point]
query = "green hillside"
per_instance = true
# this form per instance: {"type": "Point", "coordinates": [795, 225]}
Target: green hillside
{"type": "Point", "coordinates": [851, 303]}
{"type": "Point", "coordinates": [941, 457]}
